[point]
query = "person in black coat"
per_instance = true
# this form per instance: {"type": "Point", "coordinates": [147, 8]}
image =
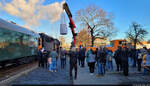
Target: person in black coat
{"type": "Point", "coordinates": [139, 59]}
{"type": "Point", "coordinates": [82, 55]}
{"type": "Point", "coordinates": [134, 58]}
{"type": "Point", "coordinates": [39, 55]}
{"type": "Point", "coordinates": [45, 57]}
{"type": "Point", "coordinates": [124, 58]}
{"type": "Point", "coordinates": [117, 57]}
{"type": "Point", "coordinates": [78, 51]}
{"type": "Point", "coordinates": [62, 58]}
{"type": "Point", "coordinates": [101, 59]}
{"type": "Point", "coordinates": [73, 62]}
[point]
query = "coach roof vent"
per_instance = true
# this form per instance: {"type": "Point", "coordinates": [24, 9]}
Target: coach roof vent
{"type": "Point", "coordinates": [12, 22]}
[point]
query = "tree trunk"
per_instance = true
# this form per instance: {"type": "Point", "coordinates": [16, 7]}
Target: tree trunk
{"type": "Point", "coordinates": [135, 41]}
{"type": "Point", "coordinates": [134, 56]}
{"type": "Point", "coordinates": [92, 41]}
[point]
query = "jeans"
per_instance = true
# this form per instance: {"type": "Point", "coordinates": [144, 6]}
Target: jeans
{"type": "Point", "coordinates": [110, 65]}
{"type": "Point", "coordinates": [82, 62]}
{"type": "Point", "coordinates": [63, 63]}
{"type": "Point", "coordinates": [119, 64]}
{"type": "Point", "coordinates": [45, 62]}
{"type": "Point", "coordinates": [101, 68]}
{"type": "Point", "coordinates": [79, 61]}
{"type": "Point", "coordinates": [107, 65]}
{"type": "Point", "coordinates": [39, 62]}
{"type": "Point", "coordinates": [145, 71]}
{"type": "Point", "coordinates": [131, 61]}
{"type": "Point", "coordinates": [52, 66]}
{"type": "Point", "coordinates": [73, 66]}
{"type": "Point", "coordinates": [139, 64]}
{"type": "Point", "coordinates": [125, 67]}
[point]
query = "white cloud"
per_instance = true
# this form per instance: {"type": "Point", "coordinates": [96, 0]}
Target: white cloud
{"type": "Point", "coordinates": [33, 11]}
{"type": "Point", "coordinates": [52, 12]}
{"type": "Point", "coordinates": [0, 6]}
{"type": "Point", "coordinates": [11, 9]}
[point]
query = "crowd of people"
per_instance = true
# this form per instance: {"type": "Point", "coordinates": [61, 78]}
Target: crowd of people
{"type": "Point", "coordinates": [49, 59]}
{"type": "Point", "coordinates": [100, 59]}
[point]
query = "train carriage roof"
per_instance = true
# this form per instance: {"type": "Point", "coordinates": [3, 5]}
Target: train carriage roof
{"type": "Point", "coordinates": [57, 41]}
{"type": "Point", "coordinates": [49, 38]}
{"type": "Point", "coordinates": [46, 37]}
{"type": "Point", "coordinates": [14, 27]}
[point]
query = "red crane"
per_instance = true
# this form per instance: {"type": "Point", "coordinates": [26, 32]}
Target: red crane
{"type": "Point", "coordinates": [71, 23]}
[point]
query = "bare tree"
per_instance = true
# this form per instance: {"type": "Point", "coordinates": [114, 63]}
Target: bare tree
{"type": "Point", "coordinates": [136, 33]}
{"type": "Point", "coordinates": [83, 37]}
{"type": "Point", "coordinates": [98, 22]}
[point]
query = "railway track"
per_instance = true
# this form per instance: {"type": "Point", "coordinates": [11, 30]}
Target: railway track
{"type": "Point", "coordinates": [14, 69]}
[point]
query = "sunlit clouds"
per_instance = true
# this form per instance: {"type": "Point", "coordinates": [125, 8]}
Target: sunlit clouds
{"type": "Point", "coordinates": [32, 11]}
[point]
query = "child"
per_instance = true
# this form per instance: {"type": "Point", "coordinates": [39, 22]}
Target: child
{"type": "Point", "coordinates": [50, 63]}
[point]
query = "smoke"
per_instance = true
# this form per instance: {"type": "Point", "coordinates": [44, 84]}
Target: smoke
{"type": "Point", "coordinates": [32, 11]}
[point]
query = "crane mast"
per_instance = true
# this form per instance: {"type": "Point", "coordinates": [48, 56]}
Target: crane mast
{"type": "Point", "coordinates": [71, 23]}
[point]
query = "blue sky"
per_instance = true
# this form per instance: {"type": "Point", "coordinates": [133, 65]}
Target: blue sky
{"type": "Point", "coordinates": [124, 11]}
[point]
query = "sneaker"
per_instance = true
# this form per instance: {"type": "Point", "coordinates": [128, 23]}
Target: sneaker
{"type": "Point", "coordinates": [71, 78]}
{"type": "Point", "coordinates": [98, 75]}
{"type": "Point", "coordinates": [75, 78]}
{"type": "Point", "coordinates": [91, 73]}
{"type": "Point", "coordinates": [102, 75]}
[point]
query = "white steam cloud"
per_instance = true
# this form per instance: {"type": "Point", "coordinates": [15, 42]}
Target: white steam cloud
{"type": "Point", "coordinates": [32, 11]}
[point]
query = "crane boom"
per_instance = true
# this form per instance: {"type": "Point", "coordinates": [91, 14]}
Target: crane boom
{"type": "Point", "coordinates": [71, 24]}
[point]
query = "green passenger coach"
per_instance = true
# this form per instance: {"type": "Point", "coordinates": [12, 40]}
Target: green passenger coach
{"type": "Point", "coordinates": [16, 43]}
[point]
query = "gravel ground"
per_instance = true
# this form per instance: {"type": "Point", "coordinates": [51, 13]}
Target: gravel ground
{"type": "Point", "coordinates": [42, 76]}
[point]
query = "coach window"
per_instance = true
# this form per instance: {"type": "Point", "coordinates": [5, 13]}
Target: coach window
{"type": "Point", "coordinates": [120, 42]}
{"type": "Point", "coordinates": [111, 44]}
{"type": "Point", "coordinates": [25, 39]}
{"type": "Point", "coordinates": [5, 37]}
